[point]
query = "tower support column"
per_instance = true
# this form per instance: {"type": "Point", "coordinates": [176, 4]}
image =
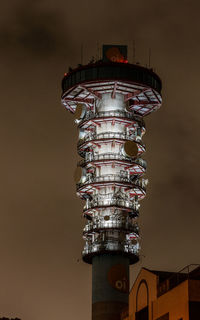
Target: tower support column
{"type": "Point", "coordinates": [110, 286]}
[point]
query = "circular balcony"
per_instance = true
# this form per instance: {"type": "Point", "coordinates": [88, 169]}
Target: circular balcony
{"type": "Point", "coordinates": [112, 157]}
{"type": "Point", "coordinates": [113, 178]}
{"type": "Point", "coordinates": [109, 135]}
{"type": "Point", "coordinates": [92, 139]}
{"type": "Point", "coordinates": [102, 225]}
{"type": "Point", "coordinates": [111, 246]}
{"type": "Point", "coordinates": [121, 114]}
{"type": "Point", "coordinates": [110, 202]}
{"type": "Point", "coordinates": [111, 71]}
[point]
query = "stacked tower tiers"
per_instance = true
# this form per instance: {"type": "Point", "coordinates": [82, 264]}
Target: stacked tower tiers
{"type": "Point", "coordinates": [111, 181]}
{"type": "Point", "coordinates": [109, 101]}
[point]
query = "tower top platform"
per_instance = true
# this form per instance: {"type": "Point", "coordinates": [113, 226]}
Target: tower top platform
{"type": "Point", "coordinates": [100, 71]}
{"type": "Point", "coordinates": [140, 86]}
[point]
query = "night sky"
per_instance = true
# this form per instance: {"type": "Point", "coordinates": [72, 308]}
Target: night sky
{"type": "Point", "coordinates": [42, 276]}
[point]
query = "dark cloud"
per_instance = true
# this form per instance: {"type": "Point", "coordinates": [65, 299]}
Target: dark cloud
{"type": "Point", "coordinates": [33, 30]}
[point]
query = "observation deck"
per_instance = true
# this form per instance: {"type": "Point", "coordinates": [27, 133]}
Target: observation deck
{"type": "Point", "coordinates": [139, 85]}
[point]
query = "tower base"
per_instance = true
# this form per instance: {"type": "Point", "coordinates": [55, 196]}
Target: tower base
{"type": "Point", "coordinates": [110, 286]}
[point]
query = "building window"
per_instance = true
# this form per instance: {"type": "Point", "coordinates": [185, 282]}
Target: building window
{"type": "Point", "coordinates": [194, 310]}
{"type": "Point", "coordinates": [164, 317]}
{"type": "Point", "coordinates": [142, 314]}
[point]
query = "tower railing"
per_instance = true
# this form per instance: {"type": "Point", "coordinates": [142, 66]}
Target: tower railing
{"type": "Point", "coordinates": [112, 156]}
{"type": "Point", "coordinates": [92, 226]}
{"type": "Point", "coordinates": [111, 202]}
{"type": "Point", "coordinates": [110, 135]}
{"type": "Point", "coordinates": [110, 245]}
{"type": "Point", "coordinates": [114, 113]}
{"type": "Point", "coordinates": [141, 183]}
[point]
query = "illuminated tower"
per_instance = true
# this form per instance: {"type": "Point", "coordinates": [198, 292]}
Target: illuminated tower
{"type": "Point", "coordinates": [110, 98]}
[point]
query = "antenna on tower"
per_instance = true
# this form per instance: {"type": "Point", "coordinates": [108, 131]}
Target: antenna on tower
{"type": "Point", "coordinates": [97, 56]}
{"type": "Point", "coordinates": [149, 57]}
{"type": "Point", "coordinates": [100, 52]}
{"type": "Point", "coordinates": [81, 53]}
{"type": "Point", "coordinates": [133, 51]}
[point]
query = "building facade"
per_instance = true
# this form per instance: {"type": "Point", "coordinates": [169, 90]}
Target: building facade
{"type": "Point", "coordinates": [158, 295]}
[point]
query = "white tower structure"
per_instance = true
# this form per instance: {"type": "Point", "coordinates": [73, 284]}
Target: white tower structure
{"type": "Point", "coordinates": [110, 100]}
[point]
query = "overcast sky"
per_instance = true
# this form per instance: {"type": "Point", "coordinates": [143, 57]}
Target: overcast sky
{"type": "Point", "coordinates": [42, 276]}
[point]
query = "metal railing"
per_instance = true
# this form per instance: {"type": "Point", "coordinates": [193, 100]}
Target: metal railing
{"type": "Point", "coordinates": [111, 245]}
{"type": "Point", "coordinates": [104, 178]}
{"type": "Point", "coordinates": [176, 278]}
{"type": "Point", "coordinates": [110, 135]}
{"type": "Point", "coordinates": [112, 177]}
{"type": "Point", "coordinates": [112, 225]}
{"type": "Point", "coordinates": [111, 202]}
{"type": "Point", "coordinates": [141, 183]}
{"type": "Point", "coordinates": [112, 156]}
{"type": "Point", "coordinates": [114, 113]}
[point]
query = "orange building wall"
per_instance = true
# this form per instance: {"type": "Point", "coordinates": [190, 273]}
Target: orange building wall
{"type": "Point", "coordinates": [151, 280]}
{"type": "Point", "coordinates": [175, 302]}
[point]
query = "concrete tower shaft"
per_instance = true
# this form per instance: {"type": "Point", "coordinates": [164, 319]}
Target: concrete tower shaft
{"type": "Point", "coordinates": [109, 101]}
